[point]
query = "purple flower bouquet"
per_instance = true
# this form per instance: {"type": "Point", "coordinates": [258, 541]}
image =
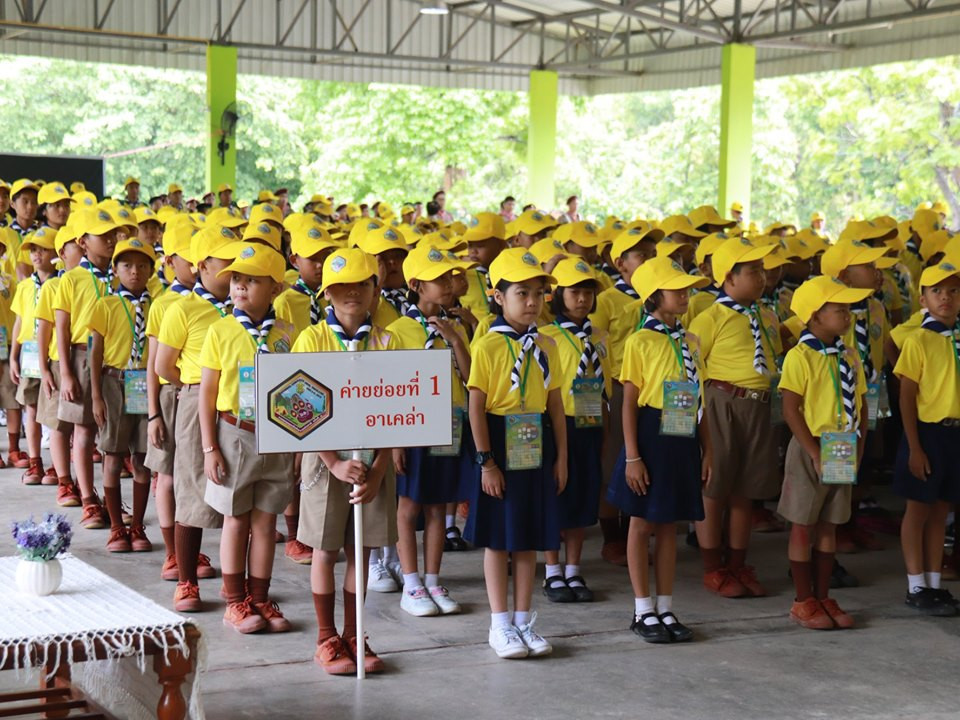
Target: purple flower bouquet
{"type": "Point", "coordinates": [44, 540]}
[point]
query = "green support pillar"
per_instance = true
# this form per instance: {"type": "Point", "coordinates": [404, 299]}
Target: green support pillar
{"type": "Point", "coordinates": [221, 92]}
{"type": "Point", "coordinates": [736, 126]}
{"type": "Point", "coordinates": [542, 138]}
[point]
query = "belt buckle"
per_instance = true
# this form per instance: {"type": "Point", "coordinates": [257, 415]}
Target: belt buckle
{"type": "Point", "coordinates": [753, 394]}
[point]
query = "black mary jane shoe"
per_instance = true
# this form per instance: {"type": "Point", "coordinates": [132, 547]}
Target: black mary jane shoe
{"type": "Point", "coordinates": [678, 631]}
{"type": "Point", "coordinates": [650, 632]}
{"type": "Point", "coordinates": [556, 590]}
{"type": "Point", "coordinates": [453, 541]}
{"type": "Point", "coordinates": [581, 593]}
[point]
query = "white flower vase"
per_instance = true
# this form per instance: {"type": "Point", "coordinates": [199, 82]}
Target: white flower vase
{"type": "Point", "coordinates": [38, 577]}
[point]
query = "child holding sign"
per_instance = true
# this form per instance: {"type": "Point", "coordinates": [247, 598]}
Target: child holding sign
{"type": "Point", "coordinates": [667, 452]}
{"type": "Point", "coordinates": [824, 389]}
{"type": "Point", "coordinates": [118, 388]}
{"type": "Point", "coordinates": [587, 384]}
{"type": "Point", "coordinates": [429, 478]}
{"type": "Point", "coordinates": [522, 464]}
{"type": "Point", "coordinates": [332, 482]}
{"type": "Point", "coordinates": [250, 490]}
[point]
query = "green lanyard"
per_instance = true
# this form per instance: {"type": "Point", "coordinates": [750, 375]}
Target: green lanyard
{"type": "Point", "coordinates": [526, 371]}
{"type": "Point", "coordinates": [675, 346]}
{"type": "Point", "coordinates": [366, 342]}
{"type": "Point", "coordinates": [766, 333]}
{"type": "Point", "coordinates": [133, 329]}
{"type": "Point", "coordinates": [96, 283]}
{"type": "Point", "coordinates": [834, 368]}
{"type": "Point", "coordinates": [569, 338]}
{"type": "Point", "coordinates": [643, 319]}
{"type": "Point", "coordinates": [483, 279]}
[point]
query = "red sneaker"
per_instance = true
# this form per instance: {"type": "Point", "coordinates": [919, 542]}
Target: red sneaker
{"type": "Point", "coordinates": [170, 570]}
{"type": "Point", "coordinates": [298, 552]}
{"type": "Point", "coordinates": [811, 615]}
{"type": "Point", "coordinates": [138, 539]}
{"type": "Point", "coordinates": [94, 517]}
{"type": "Point", "coordinates": [371, 663]}
{"type": "Point", "coordinates": [33, 474]}
{"type": "Point", "coordinates": [119, 540]}
{"type": "Point", "coordinates": [126, 469]}
{"type": "Point", "coordinates": [205, 570]}
{"type": "Point", "coordinates": [270, 611]}
{"type": "Point", "coordinates": [186, 598]}
{"type": "Point", "coordinates": [724, 583]}
{"type": "Point", "coordinates": [747, 576]}
{"type": "Point", "coordinates": [68, 495]}
{"type": "Point", "coordinates": [841, 619]}
{"type": "Point", "coordinates": [18, 460]}
{"type": "Point", "coordinates": [50, 477]}
{"type": "Point", "coordinates": [332, 655]}
{"type": "Point", "coordinates": [243, 618]}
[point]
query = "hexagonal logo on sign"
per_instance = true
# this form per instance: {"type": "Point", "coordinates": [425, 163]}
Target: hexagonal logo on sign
{"type": "Point", "coordinates": [300, 404]}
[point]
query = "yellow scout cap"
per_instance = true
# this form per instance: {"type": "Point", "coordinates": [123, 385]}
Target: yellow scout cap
{"type": "Point", "coordinates": [262, 232]}
{"type": "Point", "coordinates": [862, 230]}
{"type": "Point", "coordinates": [144, 214]}
{"type": "Point", "coordinates": [21, 185]}
{"type": "Point", "coordinates": [573, 271]}
{"type": "Point", "coordinates": [818, 291]}
{"type": "Point", "coordinates": [265, 196]}
{"type": "Point", "coordinates": [130, 181]}
{"type": "Point", "coordinates": [4, 184]}
{"type": "Point", "coordinates": [125, 217]}
{"type": "Point", "coordinates": [176, 240]}
{"type": "Point", "coordinates": [66, 234]}
{"type": "Point", "coordinates": [353, 211]}
{"type": "Point", "coordinates": [173, 187]}
{"type": "Point", "coordinates": [265, 211]}
{"type": "Point", "coordinates": [777, 226]}
{"type": "Point", "coordinates": [708, 246]}
{"type": "Point", "coordinates": [307, 242]}
{"type": "Point", "coordinates": [257, 261]}
{"type": "Point", "coordinates": [516, 265]}
{"type": "Point", "coordinates": [583, 233]}
{"type": "Point", "coordinates": [384, 211]}
{"type": "Point", "coordinates": [817, 243]}
{"type": "Point", "coordinates": [407, 210]}
{"type": "Point", "coordinates": [853, 252]}
{"type": "Point", "coordinates": [794, 246]}
{"type": "Point", "coordinates": [360, 229]}
{"type": "Point", "coordinates": [936, 274]}
{"type": "Point", "coordinates": [816, 216]}
{"type": "Point", "coordinates": [736, 207]}
{"type": "Point", "coordinates": [52, 192]}
{"type": "Point", "coordinates": [933, 243]}
{"type": "Point", "coordinates": [775, 259]}
{"type": "Point", "coordinates": [223, 187]}
{"type": "Point", "coordinates": [426, 262]}
{"type": "Point", "coordinates": [321, 205]}
{"type": "Point", "coordinates": [679, 224]}
{"type": "Point", "coordinates": [532, 221]}
{"type": "Point", "coordinates": [632, 237]}
{"type": "Point", "coordinates": [734, 251]}
{"type": "Point", "coordinates": [295, 221]}
{"type": "Point", "coordinates": [411, 234]}
{"type": "Point", "coordinates": [925, 221]}
{"type": "Point", "coordinates": [485, 226]}
{"type": "Point", "coordinates": [940, 207]}
{"type": "Point", "coordinates": [45, 237]}
{"type": "Point", "coordinates": [348, 265]}
{"type": "Point", "coordinates": [94, 222]}
{"type": "Point", "coordinates": [76, 187]}
{"type": "Point", "coordinates": [226, 216]}
{"type": "Point", "coordinates": [462, 263]}
{"type": "Point", "coordinates": [215, 242]}
{"type": "Point", "coordinates": [381, 240]}
{"type": "Point", "coordinates": [663, 273]}
{"type": "Point", "coordinates": [708, 215]}
{"type": "Point", "coordinates": [544, 250]}
{"type": "Point", "coordinates": [668, 246]}
{"type": "Point", "coordinates": [134, 245]}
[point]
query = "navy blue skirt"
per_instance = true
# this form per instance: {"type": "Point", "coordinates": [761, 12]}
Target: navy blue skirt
{"type": "Point", "coordinates": [468, 466]}
{"type": "Point", "coordinates": [673, 463]}
{"type": "Point", "coordinates": [580, 500]}
{"type": "Point", "coordinates": [942, 446]}
{"type": "Point", "coordinates": [526, 518]}
{"type": "Point", "coordinates": [430, 479]}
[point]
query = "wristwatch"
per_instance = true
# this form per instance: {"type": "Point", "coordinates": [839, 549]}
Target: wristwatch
{"type": "Point", "coordinates": [482, 456]}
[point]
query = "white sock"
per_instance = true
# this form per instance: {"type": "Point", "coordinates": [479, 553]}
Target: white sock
{"type": "Point", "coordinates": [498, 620]}
{"type": "Point", "coordinates": [431, 580]}
{"type": "Point", "coordinates": [390, 554]}
{"type": "Point", "coordinates": [572, 571]}
{"type": "Point", "coordinates": [451, 521]}
{"type": "Point", "coordinates": [933, 580]}
{"type": "Point", "coordinates": [411, 581]}
{"type": "Point", "coordinates": [521, 618]}
{"type": "Point", "coordinates": [915, 581]}
{"type": "Point", "coordinates": [374, 556]}
{"type": "Point", "coordinates": [664, 605]}
{"type": "Point", "coordinates": [642, 606]}
{"type": "Point", "coordinates": [554, 570]}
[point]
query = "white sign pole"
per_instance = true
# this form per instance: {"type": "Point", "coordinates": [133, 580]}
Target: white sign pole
{"type": "Point", "coordinates": [359, 574]}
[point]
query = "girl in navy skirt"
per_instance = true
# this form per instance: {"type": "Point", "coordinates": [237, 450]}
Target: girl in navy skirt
{"type": "Point", "coordinates": [429, 478]}
{"type": "Point", "coordinates": [519, 428]}
{"type": "Point", "coordinates": [667, 455]}
{"type": "Point", "coordinates": [586, 384]}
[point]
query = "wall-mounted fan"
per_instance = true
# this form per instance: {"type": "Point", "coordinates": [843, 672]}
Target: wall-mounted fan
{"type": "Point", "coordinates": [228, 127]}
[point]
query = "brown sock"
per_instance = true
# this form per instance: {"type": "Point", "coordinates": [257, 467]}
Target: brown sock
{"type": "Point", "coordinates": [259, 588]}
{"type": "Point", "coordinates": [323, 606]}
{"type": "Point", "coordinates": [111, 496]}
{"type": "Point", "coordinates": [823, 569]}
{"type": "Point", "coordinates": [64, 480]}
{"type": "Point", "coordinates": [187, 543]}
{"type": "Point", "coordinates": [349, 614]}
{"type": "Point", "coordinates": [712, 559]}
{"type": "Point", "coordinates": [736, 559]}
{"type": "Point", "coordinates": [234, 587]}
{"type": "Point", "coordinates": [90, 500]}
{"type": "Point", "coordinates": [14, 439]}
{"type": "Point", "coordinates": [141, 494]}
{"type": "Point", "coordinates": [610, 527]}
{"type": "Point", "coordinates": [293, 523]}
{"type": "Point", "coordinates": [802, 571]}
{"type": "Point", "coordinates": [169, 542]}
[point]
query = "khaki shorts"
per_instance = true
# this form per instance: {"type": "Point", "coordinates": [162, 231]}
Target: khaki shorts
{"type": "Point", "coordinates": [122, 433]}
{"type": "Point", "coordinates": [264, 482]}
{"type": "Point", "coordinates": [160, 460]}
{"type": "Point", "coordinates": [745, 457]}
{"type": "Point", "coordinates": [804, 499]}
{"type": "Point", "coordinates": [28, 391]}
{"type": "Point", "coordinates": [189, 482]}
{"type": "Point", "coordinates": [326, 515]}
{"type": "Point", "coordinates": [47, 407]}
{"type": "Point", "coordinates": [79, 413]}
{"type": "Point", "coordinates": [8, 391]}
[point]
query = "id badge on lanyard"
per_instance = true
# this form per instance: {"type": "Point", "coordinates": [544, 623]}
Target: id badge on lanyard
{"type": "Point", "coordinates": [247, 386]}
{"type": "Point", "coordinates": [452, 450]}
{"type": "Point", "coordinates": [878, 403]}
{"type": "Point", "coordinates": [838, 458]}
{"type": "Point", "coordinates": [366, 456]}
{"type": "Point", "coordinates": [587, 402]}
{"type": "Point", "coordinates": [679, 415]}
{"type": "Point", "coordinates": [135, 392]}
{"type": "Point", "coordinates": [30, 359]}
{"type": "Point", "coordinates": [4, 344]}
{"type": "Point", "coordinates": [524, 441]}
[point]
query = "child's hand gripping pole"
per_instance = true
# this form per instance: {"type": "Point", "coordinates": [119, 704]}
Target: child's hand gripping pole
{"type": "Point", "coordinates": [358, 568]}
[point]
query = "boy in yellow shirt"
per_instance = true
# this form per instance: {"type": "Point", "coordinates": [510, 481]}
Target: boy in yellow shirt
{"type": "Point", "coordinates": [118, 358]}
{"type": "Point", "coordinates": [389, 249]}
{"type": "Point", "coordinates": [247, 488]}
{"type": "Point", "coordinates": [486, 239]}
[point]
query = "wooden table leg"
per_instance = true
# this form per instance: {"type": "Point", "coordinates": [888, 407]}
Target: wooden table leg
{"type": "Point", "coordinates": [171, 674]}
{"type": "Point", "coordinates": [59, 677]}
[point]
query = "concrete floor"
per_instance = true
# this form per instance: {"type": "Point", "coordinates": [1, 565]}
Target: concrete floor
{"type": "Point", "coordinates": [748, 659]}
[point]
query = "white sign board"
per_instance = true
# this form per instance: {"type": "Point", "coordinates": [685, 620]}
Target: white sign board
{"type": "Point", "coordinates": [353, 400]}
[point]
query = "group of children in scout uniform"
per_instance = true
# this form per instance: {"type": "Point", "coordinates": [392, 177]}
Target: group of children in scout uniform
{"type": "Point", "coordinates": [587, 383]}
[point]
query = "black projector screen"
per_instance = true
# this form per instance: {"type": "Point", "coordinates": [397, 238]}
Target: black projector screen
{"type": "Point", "coordinates": [66, 169]}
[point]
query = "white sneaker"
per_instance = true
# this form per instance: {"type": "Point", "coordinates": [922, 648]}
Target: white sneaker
{"type": "Point", "coordinates": [506, 642]}
{"type": "Point", "coordinates": [396, 571]}
{"type": "Point", "coordinates": [380, 580]}
{"type": "Point", "coordinates": [417, 602]}
{"type": "Point", "coordinates": [441, 597]}
{"type": "Point", "coordinates": [537, 646]}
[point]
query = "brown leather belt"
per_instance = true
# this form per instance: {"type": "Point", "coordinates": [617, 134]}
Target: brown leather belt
{"type": "Point", "coordinates": [237, 422]}
{"type": "Point", "coordinates": [740, 392]}
{"type": "Point", "coordinates": [950, 422]}
{"type": "Point", "coordinates": [113, 372]}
